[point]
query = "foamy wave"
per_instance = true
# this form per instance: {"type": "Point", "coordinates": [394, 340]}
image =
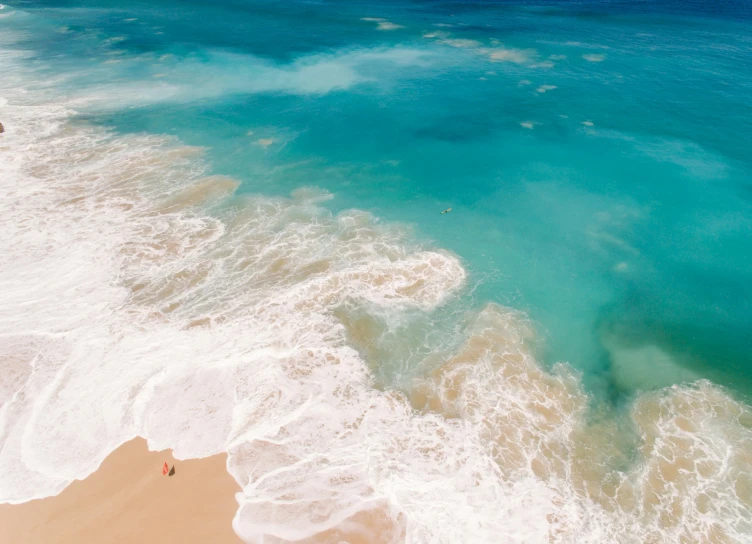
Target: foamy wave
{"type": "Point", "coordinates": [129, 310]}
{"type": "Point", "coordinates": [140, 297]}
{"type": "Point", "coordinates": [695, 484]}
{"type": "Point", "coordinates": [691, 483]}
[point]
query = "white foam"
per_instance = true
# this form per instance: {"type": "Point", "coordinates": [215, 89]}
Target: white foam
{"type": "Point", "coordinates": [264, 142]}
{"type": "Point", "coordinates": [129, 311]}
{"type": "Point", "coordinates": [387, 25]}
{"type": "Point", "coordinates": [382, 24]}
{"type": "Point", "coordinates": [517, 56]}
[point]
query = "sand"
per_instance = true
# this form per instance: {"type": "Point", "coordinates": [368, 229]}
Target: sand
{"type": "Point", "coordinates": [129, 500]}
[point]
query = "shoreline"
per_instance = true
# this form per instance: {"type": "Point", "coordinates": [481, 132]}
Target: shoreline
{"type": "Point", "coordinates": [127, 499]}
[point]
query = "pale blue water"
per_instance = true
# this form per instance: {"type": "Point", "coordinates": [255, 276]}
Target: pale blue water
{"type": "Point", "coordinates": [598, 167]}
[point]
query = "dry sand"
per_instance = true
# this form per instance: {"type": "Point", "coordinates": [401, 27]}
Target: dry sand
{"type": "Point", "coordinates": [128, 500]}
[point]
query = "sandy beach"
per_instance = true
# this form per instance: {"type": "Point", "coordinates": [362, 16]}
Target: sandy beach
{"type": "Point", "coordinates": [129, 500]}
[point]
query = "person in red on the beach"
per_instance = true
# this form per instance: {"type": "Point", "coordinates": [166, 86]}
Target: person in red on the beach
{"type": "Point", "coordinates": [165, 469]}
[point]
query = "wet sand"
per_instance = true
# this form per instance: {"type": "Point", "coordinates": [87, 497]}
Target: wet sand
{"type": "Point", "coordinates": [129, 500]}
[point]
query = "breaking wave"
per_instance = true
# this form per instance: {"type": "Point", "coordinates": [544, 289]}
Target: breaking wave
{"type": "Point", "coordinates": [141, 296]}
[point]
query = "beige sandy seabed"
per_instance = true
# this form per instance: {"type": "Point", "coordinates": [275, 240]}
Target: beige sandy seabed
{"type": "Point", "coordinates": [128, 500]}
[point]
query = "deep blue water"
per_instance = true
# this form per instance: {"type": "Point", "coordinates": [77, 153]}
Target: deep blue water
{"type": "Point", "coordinates": [595, 154]}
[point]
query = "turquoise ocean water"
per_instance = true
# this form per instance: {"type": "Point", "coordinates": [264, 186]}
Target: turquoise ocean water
{"type": "Point", "coordinates": [597, 168]}
{"type": "Point", "coordinates": [595, 154]}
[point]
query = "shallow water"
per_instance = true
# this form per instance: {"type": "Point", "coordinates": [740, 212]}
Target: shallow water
{"type": "Point", "coordinates": [186, 186]}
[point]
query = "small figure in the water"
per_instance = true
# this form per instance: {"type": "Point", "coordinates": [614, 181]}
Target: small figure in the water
{"type": "Point", "coordinates": [446, 211]}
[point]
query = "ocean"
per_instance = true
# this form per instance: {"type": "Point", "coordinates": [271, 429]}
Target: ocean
{"type": "Point", "coordinates": [222, 231]}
